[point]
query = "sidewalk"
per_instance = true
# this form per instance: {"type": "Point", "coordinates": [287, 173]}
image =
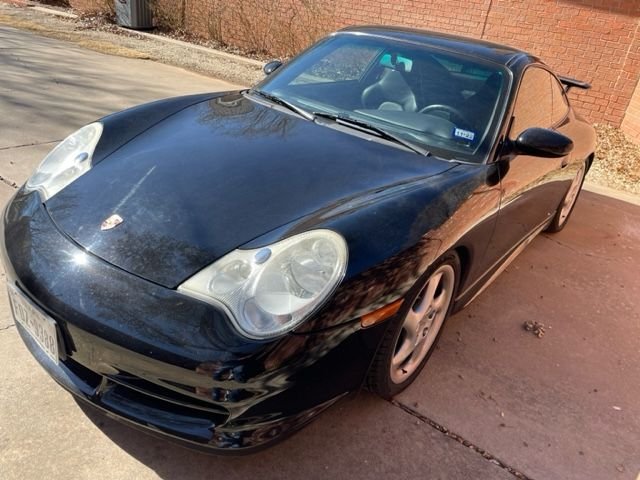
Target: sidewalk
{"type": "Point", "coordinates": [132, 44]}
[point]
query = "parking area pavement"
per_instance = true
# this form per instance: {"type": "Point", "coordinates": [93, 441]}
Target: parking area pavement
{"type": "Point", "coordinates": [494, 402]}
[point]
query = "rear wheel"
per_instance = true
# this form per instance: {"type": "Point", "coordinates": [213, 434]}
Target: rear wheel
{"type": "Point", "coordinates": [412, 337]}
{"type": "Point", "coordinates": [569, 202]}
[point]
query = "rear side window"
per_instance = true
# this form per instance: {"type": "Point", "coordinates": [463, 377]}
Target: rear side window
{"type": "Point", "coordinates": [559, 104]}
{"type": "Point", "coordinates": [534, 104]}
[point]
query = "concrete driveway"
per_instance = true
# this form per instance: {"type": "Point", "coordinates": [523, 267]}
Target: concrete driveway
{"type": "Point", "coordinates": [494, 401]}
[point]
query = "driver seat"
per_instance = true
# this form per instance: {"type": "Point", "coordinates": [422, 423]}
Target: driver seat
{"type": "Point", "coordinates": [391, 92]}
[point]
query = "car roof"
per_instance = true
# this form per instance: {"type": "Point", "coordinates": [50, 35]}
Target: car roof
{"type": "Point", "coordinates": [488, 50]}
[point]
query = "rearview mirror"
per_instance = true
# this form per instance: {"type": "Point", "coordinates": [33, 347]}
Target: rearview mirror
{"type": "Point", "coordinates": [271, 67]}
{"type": "Point", "coordinates": [541, 142]}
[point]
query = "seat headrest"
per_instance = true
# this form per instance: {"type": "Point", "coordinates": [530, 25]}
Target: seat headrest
{"type": "Point", "coordinates": [494, 82]}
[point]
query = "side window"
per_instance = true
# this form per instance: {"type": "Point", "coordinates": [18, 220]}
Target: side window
{"type": "Point", "coordinates": [345, 63]}
{"type": "Point", "coordinates": [534, 105]}
{"type": "Point", "coordinates": [559, 102]}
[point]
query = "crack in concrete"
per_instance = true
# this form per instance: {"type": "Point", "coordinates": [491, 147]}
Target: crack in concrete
{"type": "Point", "coordinates": [461, 440]}
{"type": "Point", "coordinates": [11, 147]}
{"type": "Point", "coordinates": [575, 250]}
{"type": "Point", "coordinates": [7, 327]}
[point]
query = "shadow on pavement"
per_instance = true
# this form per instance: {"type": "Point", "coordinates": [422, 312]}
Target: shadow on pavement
{"type": "Point", "coordinates": [360, 437]}
{"type": "Point", "coordinates": [542, 405]}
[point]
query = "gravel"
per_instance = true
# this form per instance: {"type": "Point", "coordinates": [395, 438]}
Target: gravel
{"type": "Point", "coordinates": [617, 162]}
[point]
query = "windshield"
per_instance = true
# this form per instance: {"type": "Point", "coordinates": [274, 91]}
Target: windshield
{"type": "Point", "coordinates": [447, 102]}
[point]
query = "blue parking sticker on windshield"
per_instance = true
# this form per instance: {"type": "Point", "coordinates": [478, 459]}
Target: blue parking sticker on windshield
{"type": "Point", "coordinates": [466, 134]}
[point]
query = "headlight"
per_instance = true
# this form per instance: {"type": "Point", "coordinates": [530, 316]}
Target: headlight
{"type": "Point", "coordinates": [69, 160]}
{"type": "Point", "coordinates": [269, 291]}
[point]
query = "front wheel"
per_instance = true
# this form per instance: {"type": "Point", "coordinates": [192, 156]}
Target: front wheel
{"type": "Point", "coordinates": [413, 335]}
{"type": "Point", "coordinates": [566, 207]}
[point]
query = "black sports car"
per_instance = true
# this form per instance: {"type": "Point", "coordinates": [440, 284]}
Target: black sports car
{"type": "Point", "coordinates": [220, 268]}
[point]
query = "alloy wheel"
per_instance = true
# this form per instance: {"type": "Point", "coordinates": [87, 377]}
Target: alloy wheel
{"type": "Point", "coordinates": [571, 196]}
{"type": "Point", "coordinates": [422, 323]}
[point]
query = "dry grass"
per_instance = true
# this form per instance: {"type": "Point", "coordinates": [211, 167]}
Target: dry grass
{"type": "Point", "coordinates": [94, 32]}
{"type": "Point", "coordinates": [270, 28]}
{"type": "Point", "coordinates": [617, 163]}
{"type": "Point", "coordinates": [70, 36]}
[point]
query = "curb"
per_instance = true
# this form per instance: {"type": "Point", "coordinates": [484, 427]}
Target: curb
{"type": "Point", "coordinates": [610, 192]}
{"type": "Point", "coordinates": [51, 11]}
{"type": "Point", "coordinates": [210, 51]}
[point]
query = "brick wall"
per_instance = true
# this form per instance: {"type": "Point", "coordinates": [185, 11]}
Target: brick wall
{"type": "Point", "coordinates": [578, 38]}
{"type": "Point", "coordinates": [90, 5]}
{"type": "Point", "coordinates": [584, 42]}
{"type": "Point", "coordinates": [593, 40]}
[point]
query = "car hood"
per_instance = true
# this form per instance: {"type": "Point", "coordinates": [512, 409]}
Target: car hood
{"type": "Point", "coordinates": [216, 175]}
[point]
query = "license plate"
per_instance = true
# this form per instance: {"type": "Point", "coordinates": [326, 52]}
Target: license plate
{"type": "Point", "coordinates": [41, 327]}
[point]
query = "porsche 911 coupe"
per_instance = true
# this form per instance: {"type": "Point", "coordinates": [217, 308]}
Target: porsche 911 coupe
{"type": "Point", "coordinates": [220, 268]}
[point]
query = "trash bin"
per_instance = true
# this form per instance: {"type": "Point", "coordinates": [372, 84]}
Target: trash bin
{"type": "Point", "coordinates": [134, 14]}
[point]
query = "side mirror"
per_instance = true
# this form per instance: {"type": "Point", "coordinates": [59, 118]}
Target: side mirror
{"type": "Point", "coordinates": [271, 67]}
{"type": "Point", "coordinates": [541, 142]}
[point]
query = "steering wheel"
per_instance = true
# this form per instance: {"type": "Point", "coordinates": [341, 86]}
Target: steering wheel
{"type": "Point", "coordinates": [454, 113]}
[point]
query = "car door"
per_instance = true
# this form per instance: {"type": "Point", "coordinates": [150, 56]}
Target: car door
{"type": "Point", "coordinates": [531, 187]}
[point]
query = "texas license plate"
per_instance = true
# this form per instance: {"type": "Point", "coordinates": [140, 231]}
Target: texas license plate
{"type": "Point", "coordinates": [41, 327]}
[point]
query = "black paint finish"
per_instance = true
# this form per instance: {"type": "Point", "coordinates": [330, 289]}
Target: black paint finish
{"type": "Point", "coordinates": [166, 361]}
{"type": "Point", "coordinates": [542, 142]}
{"type": "Point", "coordinates": [216, 175]}
{"type": "Point", "coordinates": [196, 177]}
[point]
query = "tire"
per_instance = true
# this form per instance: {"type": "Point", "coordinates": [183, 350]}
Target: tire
{"type": "Point", "coordinates": [568, 202]}
{"type": "Point", "coordinates": [412, 336]}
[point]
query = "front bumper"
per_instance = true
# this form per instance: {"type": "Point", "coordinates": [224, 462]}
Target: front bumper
{"type": "Point", "coordinates": [165, 362]}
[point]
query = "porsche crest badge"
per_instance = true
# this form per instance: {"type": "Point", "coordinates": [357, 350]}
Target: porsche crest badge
{"type": "Point", "coordinates": [112, 222]}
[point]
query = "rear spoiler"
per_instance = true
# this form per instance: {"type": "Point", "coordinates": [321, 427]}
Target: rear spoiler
{"type": "Point", "coordinates": [572, 82]}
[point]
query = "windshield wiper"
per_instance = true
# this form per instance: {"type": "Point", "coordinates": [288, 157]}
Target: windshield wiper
{"type": "Point", "coordinates": [279, 101]}
{"type": "Point", "coordinates": [364, 126]}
